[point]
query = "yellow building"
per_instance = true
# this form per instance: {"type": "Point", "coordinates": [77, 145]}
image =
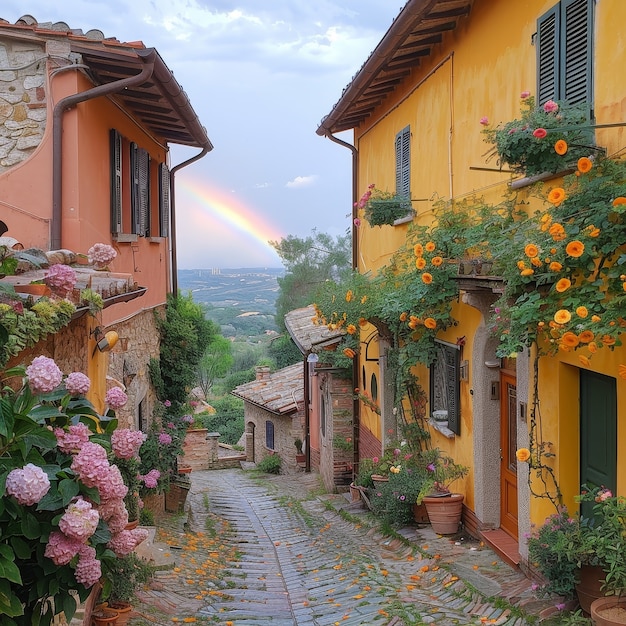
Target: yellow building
{"type": "Point", "coordinates": [415, 109]}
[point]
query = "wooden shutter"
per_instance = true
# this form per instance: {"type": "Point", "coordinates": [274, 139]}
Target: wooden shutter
{"type": "Point", "coordinates": [140, 192]}
{"type": "Point", "coordinates": [565, 52]}
{"type": "Point", "coordinates": [116, 181]}
{"type": "Point", "coordinates": [164, 200]}
{"type": "Point", "coordinates": [403, 162]}
{"type": "Point", "coordinates": [548, 27]}
{"type": "Point", "coordinates": [445, 384]}
{"type": "Point", "coordinates": [576, 51]}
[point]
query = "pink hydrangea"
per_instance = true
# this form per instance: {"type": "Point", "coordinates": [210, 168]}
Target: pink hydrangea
{"type": "Point", "coordinates": [117, 522]}
{"type": "Point", "coordinates": [550, 106]}
{"type": "Point", "coordinates": [150, 480]}
{"type": "Point", "coordinates": [126, 442]}
{"type": "Point", "coordinates": [91, 464]}
{"type": "Point", "coordinates": [116, 398]}
{"type": "Point", "coordinates": [165, 439]}
{"type": "Point", "coordinates": [124, 542]}
{"type": "Point", "coordinates": [27, 485]}
{"type": "Point", "coordinates": [43, 375]}
{"type": "Point", "coordinates": [61, 549]}
{"type": "Point", "coordinates": [80, 520]}
{"type": "Point", "coordinates": [77, 383]}
{"type": "Point", "coordinates": [101, 254]}
{"type": "Point", "coordinates": [88, 569]}
{"type": "Point", "coordinates": [61, 279]}
{"type": "Point", "coordinates": [73, 439]}
{"type": "Point", "coordinates": [111, 484]}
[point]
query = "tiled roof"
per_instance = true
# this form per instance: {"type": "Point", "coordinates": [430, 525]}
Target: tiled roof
{"type": "Point", "coordinates": [159, 102]}
{"type": "Point", "coordinates": [414, 34]}
{"type": "Point", "coordinates": [281, 392]}
{"type": "Point", "coordinates": [308, 336]}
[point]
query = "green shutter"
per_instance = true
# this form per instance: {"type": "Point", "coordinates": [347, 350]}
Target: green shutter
{"type": "Point", "coordinates": [547, 43]}
{"type": "Point", "coordinates": [403, 162]}
{"type": "Point", "coordinates": [116, 181]}
{"type": "Point", "coordinates": [577, 51]}
{"type": "Point", "coordinates": [445, 384]}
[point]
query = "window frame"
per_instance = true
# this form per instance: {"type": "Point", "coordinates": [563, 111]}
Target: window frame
{"type": "Point", "coordinates": [448, 359]}
{"type": "Point", "coordinates": [269, 434]}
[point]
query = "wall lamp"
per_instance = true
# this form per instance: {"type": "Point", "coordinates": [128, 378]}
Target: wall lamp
{"type": "Point", "coordinates": [106, 341]}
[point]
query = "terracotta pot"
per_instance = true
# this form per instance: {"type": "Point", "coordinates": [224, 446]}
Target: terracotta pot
{"type": "Point", "coordinates": [379, 479]}
{"type": "Point", "coordinates": [184, 470]}
{"type": "Point", "coordinates": [104, 617]}
{"type": "Point", "coordinates": [420, 514]}
{"type": "Point", "coordinates": [355, 492]}
{"type": "Point", "coordinates": [124, 610]}
{"type": "Point", "coordinates": [608, 611]}
{"type": "Point", "coordinates": [33, 289]}
{"type": "Point", "coordinates": [589, 587]}
{"type": "Point", "coordinates": [445, 512]}
{"type": "Point", "coordinates": [132, 525]}
{"type": "Point", "coordinates": [300, 458]}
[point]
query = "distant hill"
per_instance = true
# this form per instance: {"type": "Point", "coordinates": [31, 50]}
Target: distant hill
{"type": "Point", "coordinates": [241, 300]}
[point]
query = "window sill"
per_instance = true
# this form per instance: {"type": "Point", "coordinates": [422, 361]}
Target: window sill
{"type": "Point", "coordinates": [403, 220]}
{"type": "Point", "coordinates": [442, 427]}
{"type": "Point", "coordinates": [156, 239]}
{"type": "Point", "coordinates": [123, 238]}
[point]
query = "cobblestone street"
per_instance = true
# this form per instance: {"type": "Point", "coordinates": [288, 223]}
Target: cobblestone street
{"type": "Point", "coordinates": [277, 550]}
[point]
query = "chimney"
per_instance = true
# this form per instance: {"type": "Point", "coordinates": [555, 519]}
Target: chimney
{"type": "Point", "coordinates": [262, 372]}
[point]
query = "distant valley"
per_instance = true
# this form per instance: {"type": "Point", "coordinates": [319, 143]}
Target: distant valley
{"type": "Point", "coordinates": [242, 300]}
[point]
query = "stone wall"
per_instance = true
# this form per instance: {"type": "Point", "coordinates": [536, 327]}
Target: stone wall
{"type": "Point", "coordinates": [287, 428]}
{"type": "Point", "coordinates": [128, 365]}
{"type": "Point", "coordinates": [22, 100]}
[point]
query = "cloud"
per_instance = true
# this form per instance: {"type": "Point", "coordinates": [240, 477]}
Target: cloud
{"type": "Point", "coordinates": [302, 181]}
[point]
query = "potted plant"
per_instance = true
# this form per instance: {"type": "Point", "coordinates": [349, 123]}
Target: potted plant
{"type": "Point", "coordinates": [122, 578]}
{"type": "Point", "coordinates": [384, 208]}
{"type": "Point", "coordinates": [444, 507]}
{"type": "Point", "coordinates": [300, 456]}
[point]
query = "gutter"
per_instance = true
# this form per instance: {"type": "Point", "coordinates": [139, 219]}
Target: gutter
{"type": "Point", "coordinates": [148, 56]}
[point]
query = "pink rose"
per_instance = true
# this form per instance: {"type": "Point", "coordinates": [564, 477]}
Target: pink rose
{"type": "Point", "coordinates": [550, 106]}
{"type": "Point", "coordinates": [484, 120]}
{"type": "Point", "coordinates": [540, 133]}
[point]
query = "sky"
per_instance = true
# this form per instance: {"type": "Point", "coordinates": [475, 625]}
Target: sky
{"type": "Point", "coordinates": [260, 74]}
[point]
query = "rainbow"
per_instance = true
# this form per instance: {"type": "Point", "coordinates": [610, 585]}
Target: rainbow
{"type": "Point", "coordinates": [224, 215]}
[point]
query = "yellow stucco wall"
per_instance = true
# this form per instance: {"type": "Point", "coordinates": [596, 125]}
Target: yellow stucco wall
{"type": "Point", "coordinates": [479, 70]}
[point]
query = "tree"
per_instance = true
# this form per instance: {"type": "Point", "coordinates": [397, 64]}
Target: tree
{"type": "Point", "coordinates": [308, 263]}
{"type": "Point", "coordinates": [215, 363]}
{"type": "Point", "coordinates": [284, 351]}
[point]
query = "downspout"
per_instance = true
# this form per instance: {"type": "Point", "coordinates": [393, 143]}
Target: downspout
{"type": "Point", "coordinates": [356, 420]}
{"type": "Point", "coordinates": [148, 57]}
{"type": "Point", "coordinates": [174, 262]}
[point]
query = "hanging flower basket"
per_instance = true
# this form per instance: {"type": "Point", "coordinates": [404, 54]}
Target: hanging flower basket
{"type": "Point", "coordinates": [386, 211]}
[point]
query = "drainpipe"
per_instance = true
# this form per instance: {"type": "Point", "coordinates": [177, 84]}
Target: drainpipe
{"type": "Point", "coordinates": [356, 420]}
{"type": "Point", "coordinates": [174, 263]}
{"type": "Point", "coordinates": [148, 57]}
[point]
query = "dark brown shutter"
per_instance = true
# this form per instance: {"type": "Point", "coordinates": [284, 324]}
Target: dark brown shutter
{"type": "Point", "coordinates": [116, 181]}
{"type": "Point", "coordinates": [164, 200]}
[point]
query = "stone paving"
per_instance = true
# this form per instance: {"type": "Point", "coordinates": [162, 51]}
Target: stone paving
{"type": "Point", "coordinates": [275, 549]}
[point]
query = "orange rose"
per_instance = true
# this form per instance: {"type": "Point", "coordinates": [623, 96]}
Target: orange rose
{"type": "Point", "coordinates": [403, 316]}
{"type": "Point", "coordinates": [584, 165]}
{"type": "Point", "coordinates": [556, 196]}
{"type": "Point", "coordinates": [349, 352]}
{"type": "Point", "coordinates": [555, 266]}
{"type": "Point", "coordinates": [427, 278]}
{"type": "Point", "coordinates": [531, 250]}
{"type": "Point", "coordinates": [582, 311]}
{"type": "Point", "coordinates": [430, 246]}
{"type": "Point", "coordinates": [418, 249]}
{"type": "Point", "coordinates": [351, 329]}
{"type": "Point", "coordinates": [560, 147]}
{"type": "Point", "coordinates": [429, 322]}
{"type": "Point", "coordinates": [437, 261]}
{"type": "Point", "coordinates": [570, 339]}
{"type": "Point", "coordinates": [557, 231]}
{"type": "Point", "coordinates": [584, 360]}
{"type": "Point", "coordinates": [575, 248]}
{"type": "Point", "coordinates": [349, 295]}
{"type": "Point", "coordinates": [563, 285]}
{"type": "Point", "coordinates": [562, 316]}
{"type": "Point", "coordinates": [527, 272]}
{"type": "Point", "coordinates": [420, 263]}
{"type": "Point", "coordinates": [523, 454]}
{"type": "Point", "coordinates": [619, 200]}
{"type": "Point", "coordinates": [592, 347]}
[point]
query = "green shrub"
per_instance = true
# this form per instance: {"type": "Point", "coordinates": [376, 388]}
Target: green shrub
{"type": "Point", "coordinates": [146, 517]}
{"type": "Point", "coordinates": [270, 464]}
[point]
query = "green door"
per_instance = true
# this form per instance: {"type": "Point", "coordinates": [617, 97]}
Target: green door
{"type": "Point", "coordinates": [598, 431]}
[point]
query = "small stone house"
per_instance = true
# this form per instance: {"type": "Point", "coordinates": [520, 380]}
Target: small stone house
{"type": "Point", "coordinates": [274, 410]}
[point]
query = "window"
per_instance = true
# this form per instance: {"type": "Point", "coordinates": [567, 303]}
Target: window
{"type": "Point", "coordinates": [565, 52]}
{"type": "Point", "coordinates": [445, 391]}
{"type": "Point", "coordinates": [403, 162]}
{"type": "Point", "coordinates": [269, 435]}
{"type": "Point", "coordinates": [132, 191]}
{"type": "Point", "coordinates": [374, 387]}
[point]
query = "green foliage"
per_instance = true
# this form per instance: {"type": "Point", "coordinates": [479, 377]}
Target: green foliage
{"type": "Point", "coordinates": [124, 576]}
{"type": "Point", "coordinates": [521, 145]}
{"type": "Point", "coordinates": [237, 378]}
{"type": "Point", "coordinates": [393, 501]}
{"type": "Point", "coordinates": [228, 419]}
{"type": "Point", "coordinates": [270, 464]}
{"type": "Point", "coordinates": [384, 208]}
{"type": "Point", "coordinates": [309, 262]}
{"type": "Point", "coordinates": [24, 322]}
{"type": "Point", "coordinates": [215, 362]}
{"type": "Point", "coordinates": [146, 517]}
{"type": "Point", "coordinates": [284, 352]}
{"type": "Point", "coordinates": [185, 335]}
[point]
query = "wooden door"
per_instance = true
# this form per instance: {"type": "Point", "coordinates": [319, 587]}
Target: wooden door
{"type": "Point", "coordinates": [508, 460]}
{"type": "Point", "coordinates": [598, 432]}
